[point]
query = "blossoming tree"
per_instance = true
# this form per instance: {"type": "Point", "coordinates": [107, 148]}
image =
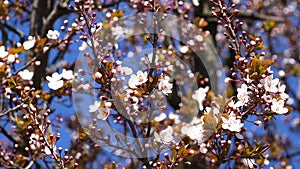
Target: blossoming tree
{"type": "Point", "coordinates": [153, 84]}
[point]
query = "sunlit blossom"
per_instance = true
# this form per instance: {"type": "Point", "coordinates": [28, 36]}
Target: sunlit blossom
{"type": "Point", "coordinates": [125, 70]}
{"type": "Point", "coordinates": [232, 123]}
{"type": "Point", "coordinates": [165, 86]}
{"type": "Point", "coordinates": [164, 136]}
{"type": "Point", "coordinates": [55, 81]}
{"type": "Point", "coordinates": [67, 74]}
{"type": "Point", "coordinates": [26, 74]}
{"type": "Point", "coordinates": [200, 95]}
{"type": "Point", "coordinates": [194, 130]}
{"type": "Point", "coordinates": [103, 113]}
{"type": "Point", "coordinates": [138, 79]}
{"type": "Point", "coordinates": [3, 52]}
{"type": "Point", "coordinates": [270, 84]}
{"type": "Point", "coordinates": [160, 117]}
{"type": "Point", "coordinates": [53, 34]}
{"type": "Point", "coordinates": [29, 43]}
{"type": "Point", "coordinates": [242, 95]}
{"type": "Point", "coordinates": [278, 107]}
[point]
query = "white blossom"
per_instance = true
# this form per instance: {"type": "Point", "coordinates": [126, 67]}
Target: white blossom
{"type": "Point", "coordinates": [267, 98]}
{"type": "Point", "coordinates": [183, 49]}
{"type": "Point", "coordinates": [242, 95]}
{"type": "Point", "coordinates": [125, 70]}
{"type": "Point", "coordinates": [165, 86]}
{"type": "Point", "coordinates": [29, 43]}
{"type": "Point", "coordinates": [103, 113]}
{"type": "Point", "coordinates": [200, 95]}
{"type": "Point", "coordinates": [164, 136]}
{"type": "Point", "coordinates": [12, 58]}
{"type": "Point", "coordinates": [232, 123]}
{"type": "Point", "coordinates": [138, 79]}
{"type": "Point", "coordinates": [160, 117]}
{"type": "Point", "coordinates": [67, 74]}
{"type": "Point", "coordinates": [281, 90]}
{"type": "Point", "coordinates": [26, 74]}
{"type": "Point", "coordinates": [194, 130]}
{"type": "Point", "coordinates": [94, 107]}
{"type": "Point", "coordinates": [53, 34]}
{"type": "Point", "coordinates": [203, 148]}
{"type": "Point", "coordinates": [278, 107]}
{"type": "Point", "coordinates": [34, 141]}
{"type": "Point", "coordinates": [196, 2]}
{"type": "Point", "coordinates": [174, 117]}
{"type": "Point", "coordinates": [55, 81]}
{"type": "Point", "coordinates": [3, 52]}
{"type": "Point", "coordinates": [270, 84]}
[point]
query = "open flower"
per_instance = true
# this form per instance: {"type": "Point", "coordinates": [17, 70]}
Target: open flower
{"type": "Point", "coordinates": [29, 43]}
{"type": "Point", "coordinates": [200, 95]}
{"type": "Point", "coordinates": [278, 107]}
{"type": "Point", "coordinates": [194, 130]}
{"type": "Point", "coordinates": [165, 86]}
{"type": "Point", "coordinates": [164, 136]}
{"type": "Point", "coordinates": [232, 123]}
{"type": "Point", "coordinates": [242, 95]}
{"type": "Point", "coordinates": [26, 74]}
{"type": "Point", "coordinates": [94, 107]}
{"type": "Point", "coordinates": [138, 79]}
{"type": "Point", "coordinates": [55, 81]}
{"type": "Point", "coordinates": [103, 113]}
{"type": "Point", "coordinates": [53, 34]}
{"type": "Point", "coordinates": [3, 52]}
{"type": "Point", "coordinates": [270, 84]}
{"type": "Point", "coordinates": [67, 74]}
{"type": "Point", "coordinates": [125, 70]}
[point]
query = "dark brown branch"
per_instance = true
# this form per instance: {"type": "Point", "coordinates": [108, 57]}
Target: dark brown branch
{"type": "Point", "coordinates": [57, 12]}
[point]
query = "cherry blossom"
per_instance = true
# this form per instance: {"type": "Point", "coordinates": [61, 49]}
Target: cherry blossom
{"type": "Point", "coordinates": [125, 70]}
{"type": "Point", "coordinates": [26, 74]}
{"type": "Point", "coordinates": [103, 113]}
{"type": "Point", "coordinates": [11, 58]}
{"type": "Point", "coordinates": [203, 148]}
{"type": "Point", "coordinates": [233, 123]}
{"type": "Point", "coordinates": [55, 81]}
{"type": "Point", "coordinates": [164, 136]}
{"type": "Point", "coordinates": [138, 79]}
{"type": "Point", "coordinates": [278, 107]}
{"type": "Point", "coordinates": [165, 86]}
{"type": "Point", "coordinates": [160, 117]}
{"type": "Point", "coordinates": [53, 34]}
{"type": "Point", "coordinates": [200, 95]}
{"type": "Point", "coordinates": [174, 117]}
{"type": "Point", "coordinates": [194, 130]}
{"type": "Point", "coordinates": [67, 74]}
{"type": "Point", "coordinates": [34, 141]}
{"type": "Point", "coordinates": [3, 52]}
{"type": "Point", "coordinates": [196, 2]}
{"type": "Point", "coordinates": [94, 107]}
{"type": "Point", "coordinates": [270, 84]}
{"type": "Point", "coordinates": [29, 43]}
{"type": "Point", "coordinates": [242, 95]}
{"type": "Point", "coordinates": [281, 90]}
